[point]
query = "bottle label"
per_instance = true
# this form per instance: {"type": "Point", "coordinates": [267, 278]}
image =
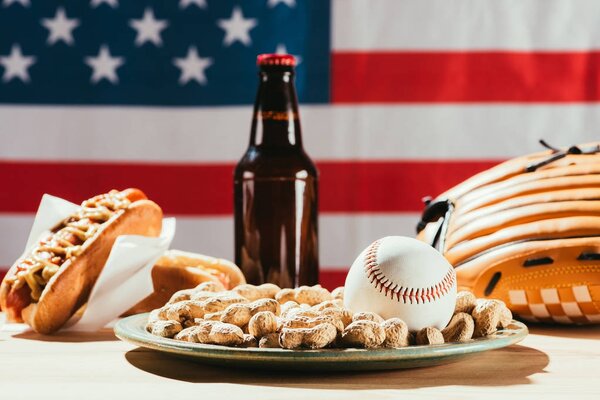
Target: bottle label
{"type": "Point", "coordinates": [277, 115]}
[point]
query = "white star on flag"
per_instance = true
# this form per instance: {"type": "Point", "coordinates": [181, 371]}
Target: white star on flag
{"type": "Point", "coordinates": [186, 3]}
{"type": "Point", "coordinates": [104, 66]}
{"type": "Point", "coordinates": [281, 49]}
{"type": "Point", "coordinates": [192, 67]}
{"type": "Point", "coordinates": [148, 28]}
{"type": "Point", "coordinates": [16, 65]}
{"type": "Point", "coordinates": [289, 3]}
{"type": "Point", "coordinates": [61, 27]}
{"type": "Point", "coordinates": [237, 28]}
{"type": "Point", "coordinates": [24, 3]}
{"type": "Point", "coordinates": [112, 3]}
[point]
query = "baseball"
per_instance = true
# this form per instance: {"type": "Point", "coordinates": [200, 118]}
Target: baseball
{"type": "Point", "coordinates": [402, 277]}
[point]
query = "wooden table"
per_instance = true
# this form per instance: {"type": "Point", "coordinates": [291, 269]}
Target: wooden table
{"type": "Point", "coordinates": [552, 362]}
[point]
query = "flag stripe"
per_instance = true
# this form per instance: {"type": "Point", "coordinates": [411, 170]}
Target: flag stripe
{"type": "Point", "coordinates": [465, 77]}
{"type": "Point", "coordinates": [341, 237]}
{"type": "Point", "coordinates": [465, 25]}
{"type": "Point", "coordinates": [339, 132]}
{"type": "Point", "coordinates": [332, 278]}
{"type": "Point", "coordinates": [207, 189]}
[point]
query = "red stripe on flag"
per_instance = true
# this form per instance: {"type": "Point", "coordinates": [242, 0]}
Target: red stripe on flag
{"type": "Point", "coordinates": [332, 278]}
{"type": "Point", "coordinates": [206, 189]}
{"type": "Point", "coordinates": [474, 76]}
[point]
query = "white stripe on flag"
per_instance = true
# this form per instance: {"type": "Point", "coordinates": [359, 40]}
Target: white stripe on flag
{"type": "Point", "coordinates": [465, 25]}
{"type": "Point", "coordinates": [379, 132]}
{"type": "Point", "coordinates": [341, 237]}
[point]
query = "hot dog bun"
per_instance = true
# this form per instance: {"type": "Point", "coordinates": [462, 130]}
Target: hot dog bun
{"type": "Point", "coordinates": [69, 288]}
{"type": "Point", "coordinates": [177, 270]}
{"type": "Point", "coordinates": [228, 273]}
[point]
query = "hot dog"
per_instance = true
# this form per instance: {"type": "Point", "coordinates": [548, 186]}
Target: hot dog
{"type": "Point", "coordinates": [53, 280]}
{"type": "Point", "coordinates": [176, 270]}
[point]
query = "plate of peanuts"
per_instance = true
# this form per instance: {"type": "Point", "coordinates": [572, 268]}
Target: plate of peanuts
{"type": "Point", "coordinates": [308, 328]}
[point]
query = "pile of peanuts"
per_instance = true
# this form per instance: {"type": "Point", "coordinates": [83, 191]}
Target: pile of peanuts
{"type": "Point", "coordinates": [308, 317]}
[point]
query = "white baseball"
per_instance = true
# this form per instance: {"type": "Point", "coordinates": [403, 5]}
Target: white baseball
{"type": "Point", "coordinates": [402, 277]}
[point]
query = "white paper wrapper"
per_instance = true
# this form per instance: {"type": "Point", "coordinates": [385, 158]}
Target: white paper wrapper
{"type": "Point", "coordinates": [126, 277]}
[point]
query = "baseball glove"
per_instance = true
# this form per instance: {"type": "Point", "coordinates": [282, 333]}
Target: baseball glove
{"type": "Point", "coordinates": [526, 231]}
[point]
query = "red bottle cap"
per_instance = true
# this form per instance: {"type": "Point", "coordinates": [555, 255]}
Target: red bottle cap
{"type": "Point", "coordinates": [287, 60]}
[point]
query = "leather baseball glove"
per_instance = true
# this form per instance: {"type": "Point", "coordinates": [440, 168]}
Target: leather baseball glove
{"type": "Point", "coordinates": [527, 231]}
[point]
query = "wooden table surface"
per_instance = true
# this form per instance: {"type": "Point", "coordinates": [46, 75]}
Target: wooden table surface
{"type": "Point", "coordinates": [552, 362]}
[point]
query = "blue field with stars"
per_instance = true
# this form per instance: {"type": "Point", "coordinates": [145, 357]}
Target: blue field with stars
{"type": "Point", "coordinates": [164, 53]}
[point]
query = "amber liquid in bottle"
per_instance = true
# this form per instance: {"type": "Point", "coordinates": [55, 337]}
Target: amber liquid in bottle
{"type": "Point", "coordinates": [275, 188]}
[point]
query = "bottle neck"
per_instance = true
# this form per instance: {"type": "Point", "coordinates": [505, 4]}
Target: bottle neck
{"type": "Point", "coordinates": [276, 122]}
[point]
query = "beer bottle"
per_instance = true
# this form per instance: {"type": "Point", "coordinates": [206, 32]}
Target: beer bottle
{"type": "Point", "coordinates": [275, 187]}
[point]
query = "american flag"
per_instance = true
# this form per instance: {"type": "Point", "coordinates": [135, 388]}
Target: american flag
{"type": "Point", "coordinates": [399, 99]}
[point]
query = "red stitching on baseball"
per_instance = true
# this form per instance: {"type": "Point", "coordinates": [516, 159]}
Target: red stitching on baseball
{"type": "Point", "coordinates": [399, 293]}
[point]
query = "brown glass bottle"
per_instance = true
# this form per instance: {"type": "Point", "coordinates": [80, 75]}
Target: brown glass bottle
{"type": "Point", "coordinates": [275, 187]}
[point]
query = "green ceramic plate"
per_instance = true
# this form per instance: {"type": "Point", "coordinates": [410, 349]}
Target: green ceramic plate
{"type": "Point", "coordinates": [131, 329]}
